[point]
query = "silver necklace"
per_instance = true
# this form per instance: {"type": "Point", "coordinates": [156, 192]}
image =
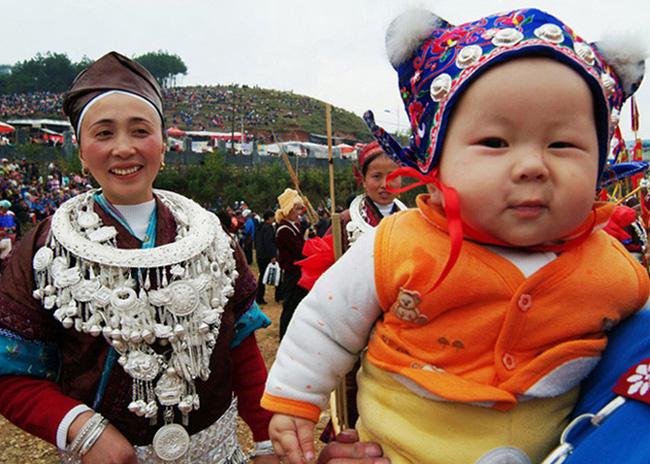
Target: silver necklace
{"type": "Point", "coordinates": [358, 224]}
{"type": "Point", "coordinates": [97, 288]}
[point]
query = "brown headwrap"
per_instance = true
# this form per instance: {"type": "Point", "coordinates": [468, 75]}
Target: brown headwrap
{"type": "Point", "coordinates": [112, 71]}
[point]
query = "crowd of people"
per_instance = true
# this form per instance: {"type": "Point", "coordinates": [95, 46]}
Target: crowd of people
{"type": "Point", "coordinates": [201, 108]}
{"type": "Point", "coordinates": [29, 193]}
{"type": "Point", "coordinates": [220, 104]}
{"type": "Point", "coordinates": [29, 105]}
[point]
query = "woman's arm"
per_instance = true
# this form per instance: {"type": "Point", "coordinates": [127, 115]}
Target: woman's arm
{"type": "Point", "coordinates": [249, 377]}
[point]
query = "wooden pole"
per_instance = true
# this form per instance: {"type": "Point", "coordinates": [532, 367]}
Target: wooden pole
{"type": "Point", "coordinates": [294, 178]}
{"type": "Point", "coordinates": [232, 128]}
{"type": "Point", "coordinates": [328, 118]}
{"type": "Point", "coordinates": [339, 398]}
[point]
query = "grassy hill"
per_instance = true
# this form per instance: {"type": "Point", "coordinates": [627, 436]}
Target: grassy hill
{"type": "Point", "coordinates": [221, 108]}
{"type": "Point", "coordinates": [260, 111]}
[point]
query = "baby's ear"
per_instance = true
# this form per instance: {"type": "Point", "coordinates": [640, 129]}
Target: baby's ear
{"type": "Point", "coordinates": [436, 195]}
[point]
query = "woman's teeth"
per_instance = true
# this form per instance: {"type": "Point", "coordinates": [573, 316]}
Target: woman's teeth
{"type": "Point", "coordinates": [125, 172]}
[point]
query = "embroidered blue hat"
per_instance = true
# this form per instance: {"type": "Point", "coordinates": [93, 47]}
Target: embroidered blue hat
{"type": "Point", "coordinates": [436, 61]}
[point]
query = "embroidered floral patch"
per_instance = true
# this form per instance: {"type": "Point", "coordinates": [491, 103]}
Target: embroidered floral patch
{"type": "Point", "coordinates": [635, 383]}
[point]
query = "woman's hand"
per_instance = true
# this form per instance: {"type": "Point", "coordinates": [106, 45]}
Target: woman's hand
{"type": "Point", "coordinates": [347, 449]}
{"type": "Point", "coordinates": [110, 448]}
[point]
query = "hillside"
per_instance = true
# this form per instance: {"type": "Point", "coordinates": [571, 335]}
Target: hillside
{"type": "Point", "coordinates": [213, 108]}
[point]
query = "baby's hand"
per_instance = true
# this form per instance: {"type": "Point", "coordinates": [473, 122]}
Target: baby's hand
{"type": "Point", "coordinates": [293, 438]}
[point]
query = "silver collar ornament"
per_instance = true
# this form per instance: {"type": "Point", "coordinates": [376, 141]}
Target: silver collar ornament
{"type": "Point", "coordinates": [97, 288]}
{"type": "Point", "coordinates": [358, 224]}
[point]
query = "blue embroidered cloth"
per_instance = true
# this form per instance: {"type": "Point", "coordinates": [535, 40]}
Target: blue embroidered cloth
{"type": "Point", "coordinates": [24, 357]}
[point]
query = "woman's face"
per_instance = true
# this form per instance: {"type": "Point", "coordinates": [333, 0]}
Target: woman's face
{"type": "Point", "coordinates": [374, 181]}
{"type": "Point", "coordinates": [121, 143]}
{"type": "Point", "coordinates": [295, 212]}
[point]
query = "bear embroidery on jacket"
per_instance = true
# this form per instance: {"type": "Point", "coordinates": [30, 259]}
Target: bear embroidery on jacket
{"type": "Point", "coordinates": [406, 306]}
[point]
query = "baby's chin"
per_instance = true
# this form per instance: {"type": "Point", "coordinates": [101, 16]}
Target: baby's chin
{"type": "Point", "coordinates": [534, 244]}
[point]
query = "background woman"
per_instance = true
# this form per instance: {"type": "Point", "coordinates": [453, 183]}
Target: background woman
{"type": "Point", "coordinates": [377, 201]}
{"type": "Point", "coordinates": [289, 241]}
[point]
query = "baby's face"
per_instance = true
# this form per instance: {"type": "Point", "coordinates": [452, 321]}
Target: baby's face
{"type": "Point", "coordinates": [522, 153]}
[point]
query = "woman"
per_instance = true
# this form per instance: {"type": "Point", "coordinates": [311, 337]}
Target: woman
{"type": "Point", "coordinates": [144, 279]}
{"type": "Point", "coordinates": [365, 212]}
{"type": "Point", "coordinates": [289, 241]}
{"type": "Point", "coordinates": [377, 201]}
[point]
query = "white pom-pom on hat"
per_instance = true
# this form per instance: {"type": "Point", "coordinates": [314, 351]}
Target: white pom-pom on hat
{"type": "Point", "coordinates": [626, 55]}
{"type": "Point", "coordinates": [407, 31]}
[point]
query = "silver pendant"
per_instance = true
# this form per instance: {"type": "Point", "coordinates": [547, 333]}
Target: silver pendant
{"type": "Point", "coordinates": [171, 442]}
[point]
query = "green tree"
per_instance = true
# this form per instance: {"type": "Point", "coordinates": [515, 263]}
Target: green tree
{"type": "Point", "coordinates": [51, 72]}
{"type": "Point", "coordinates": [163, 66]}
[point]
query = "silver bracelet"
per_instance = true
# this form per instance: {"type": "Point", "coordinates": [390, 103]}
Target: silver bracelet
{"type": "Point", "coordinates": [92, 437]}
{"type": "Point", "coordinates": [86, 431]}
{"type": "Point", "coordinates": [262, 448]}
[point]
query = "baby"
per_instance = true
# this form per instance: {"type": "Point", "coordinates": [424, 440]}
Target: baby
{"type": "Point", "coordinates": [484, 308]}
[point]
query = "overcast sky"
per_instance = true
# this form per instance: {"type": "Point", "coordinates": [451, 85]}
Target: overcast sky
{"type": "Point", "coordinates": [331, 50]}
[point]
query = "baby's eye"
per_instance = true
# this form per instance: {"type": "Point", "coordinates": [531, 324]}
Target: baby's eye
{"type": "Point", "coordinates": [561, 145]}
{"type": "Point", "coordinates": [493, 142]}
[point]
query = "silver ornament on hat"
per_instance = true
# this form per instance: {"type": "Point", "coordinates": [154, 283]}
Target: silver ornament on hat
{"type": "Point", "coordinates": [507, 37]}
{"type": "Point", "coordinates": [550, 33]}
{"type": "Point", "coordinates": [440, 87]}
{"type": "Point", "coordinates": [468, 56]}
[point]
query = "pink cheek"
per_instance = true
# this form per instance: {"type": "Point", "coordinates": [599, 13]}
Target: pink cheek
{"type": "Point", "coordinates": [151, 146]}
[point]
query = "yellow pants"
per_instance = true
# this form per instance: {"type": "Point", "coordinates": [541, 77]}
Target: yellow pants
{"type": "Point", "coordinates": [416, 430]}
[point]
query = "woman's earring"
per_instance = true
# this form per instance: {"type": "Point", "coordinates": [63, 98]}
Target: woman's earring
{"type": "Point", "coordinates": [85, 171]}
{"type": "Point", "coordinates": [162, 165]}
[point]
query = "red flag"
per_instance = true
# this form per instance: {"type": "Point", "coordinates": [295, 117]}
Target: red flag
{"type": "Point", "coordinates": [619, 152]}
{"type": "Point", "coordinates": [635, 115]}
{"type": "Point", "coordinates": [638, 151]}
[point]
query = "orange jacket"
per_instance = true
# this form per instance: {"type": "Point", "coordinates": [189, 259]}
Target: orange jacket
{"type": "Point", "coordinates": [498, 333]}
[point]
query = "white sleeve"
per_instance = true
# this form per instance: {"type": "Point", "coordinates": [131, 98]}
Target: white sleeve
{"type": "Point", "coordinates": [64, 425]}
{"type": "Point", "coordinates": [329, 328]}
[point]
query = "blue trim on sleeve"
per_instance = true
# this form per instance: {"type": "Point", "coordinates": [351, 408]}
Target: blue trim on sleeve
{"type": "Point", "coordinates": [248, 323]}
{"type": "Point", "coordinates": [24, 357]}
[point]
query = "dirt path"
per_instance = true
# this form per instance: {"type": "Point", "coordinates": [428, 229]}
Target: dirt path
{"type": "Point", "coordinates": [18, 447]}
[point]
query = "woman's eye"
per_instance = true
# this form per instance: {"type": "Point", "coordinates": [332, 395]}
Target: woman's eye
{"type": "Point", "coordinates": [493, 142]}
